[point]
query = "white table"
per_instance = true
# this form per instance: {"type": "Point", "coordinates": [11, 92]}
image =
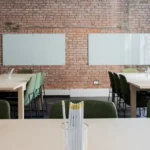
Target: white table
{"type": "Point", "coordinates": [103, 134]}
{"type": "Point", "coordinates": [138, 82]}
{"type": "Point", "coordinates": [16, 83]}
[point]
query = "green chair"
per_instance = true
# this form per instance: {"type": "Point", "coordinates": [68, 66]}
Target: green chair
{"type": "Point", "coordinates": [43, 89]}
{"type": "Point", "coordinates": [92, 109]}
{"type": "Point", "coordinates": [28, 95]}
{"type": "Point", "coordinates": [38, 90]}
{"type": "Point", "coordinates": [37, 85]}
{"type": "Point", "coordinates": [112, 85]}
{"type": "Point", "coordinates": [141, 101]}
{"type": "Point", "coordinates": [42, 78]}
{"type": "Point", "coordinates": [117, 85]}
{"type": "Point", "coordinates": [25, 71]}
{"type": "Point", "coordinates": [4, 110]}
{"type": "Point", "coordinates": [118, 90]}
{"type": "Point", "coordinates": [129, 70]}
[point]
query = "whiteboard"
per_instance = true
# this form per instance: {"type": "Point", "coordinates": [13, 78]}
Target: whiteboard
{"type": "Point", "coordinates": [119, 49]}
{"type": "Point", "coordinates": [33, 49]}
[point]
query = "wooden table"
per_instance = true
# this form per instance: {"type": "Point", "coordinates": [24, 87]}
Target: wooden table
{"type": "Point", "coordinates": [138, 82]}
{"type": "Point", "coordinates": [16, 83]}
{"type": "Point", "coordinates": [103, 134]}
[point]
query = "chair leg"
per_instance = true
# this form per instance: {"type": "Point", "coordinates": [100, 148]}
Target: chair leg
{"type": "Point", "coordinates": [30, 109]}
{"type": "Point", "coordinates": [118, 104]}
{"type": "Point", "coordinates": [109, 94]}
{"type": "Point", "coordinates": [42, 105]}
{"type": "Point", "coordinates": [45, 99]}
{"type": "Point", "coordinates": [45, 105]}
{"type": "Point", "coordinates": [113, 97]}
{"type": "Point", "coordinates": [144, 112]}
{"type": "Point", "coordinates": [124, 110]}
{"type": "Point", "coordinates": [140, 112]}
{"type": "Point", "coordinates": [12, 113]}
{"type": "Point", "coordinates": [35, 109]}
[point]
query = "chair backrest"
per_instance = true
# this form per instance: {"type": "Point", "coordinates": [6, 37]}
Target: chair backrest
{"type": "Point", "coordinates": [37, 84]}
{"type": "Point", "coordinates": [148, 109]}
{"type": "Point", "coordinates": [125, 89]}
{"type": "Point", "coordinates": [112, 82]}
{"type": "Point", "coordinates": [4, 110]}
{"type": "Point", "coordinates": [92, 109]}
{"type": "Point", "coordinates": [130, 70]}
{"type": "Point", "coordinates": [42, 78]}
{"type": "Point", "coordinates": [117, 85]}
{"type": "Point", "coordinates": [24, 71]}
{"type": "Point", "coordinates": [30, 88]}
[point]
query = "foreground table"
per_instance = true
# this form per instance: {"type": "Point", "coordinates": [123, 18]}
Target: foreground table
{"type": "Point", "coordinates": [103, 134]}
{"type": "Point", "coordinates": [138, 82]}
{"type": "Point", "coordinates": [16, 83]}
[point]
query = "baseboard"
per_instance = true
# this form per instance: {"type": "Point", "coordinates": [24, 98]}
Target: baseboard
{"type": "Point", "coordinates": [56, 92]}
{"type": "Point", "coordinates": [57, 96]}
{"type": "Point", "coordinates": [103, 92]}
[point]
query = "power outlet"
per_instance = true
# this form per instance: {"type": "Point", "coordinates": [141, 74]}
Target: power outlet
{"type": "Point", "coordinates": [96, 82]}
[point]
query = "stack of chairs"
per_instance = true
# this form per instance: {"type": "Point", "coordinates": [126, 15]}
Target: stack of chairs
{"type": "Point", "coordinates": [121, 90]}
{"type": "Point", "coordinates": [33, 96]}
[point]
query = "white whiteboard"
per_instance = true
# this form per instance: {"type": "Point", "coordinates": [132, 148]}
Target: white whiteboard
{"type": "Point", "coordinates": [119, 49]}
{"type": "Point", "coordinates": [33, 49]}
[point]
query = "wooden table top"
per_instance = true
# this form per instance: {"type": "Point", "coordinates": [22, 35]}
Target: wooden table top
{"type": "Point", "coordinates": [139, 80]}
{"type": "Point", "coordinates": [47, 134]}
{"type": "Point", "coordinates": [16, 81]}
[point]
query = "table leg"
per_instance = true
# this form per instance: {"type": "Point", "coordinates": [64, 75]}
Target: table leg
{"type": "Point", "coordinates": [133, 91]}
{"type": "Point", "coordinates": [20, 103]}
{"type": "Point", "coordinates": [39, 103]}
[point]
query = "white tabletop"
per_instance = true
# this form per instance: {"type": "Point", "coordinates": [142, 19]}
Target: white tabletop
{"type": "Point", "coordinates": [16, 81]}
{"type": "Point", "coordinates": [104, 134]}
{"type": "Point", "coordinates": [16, 77]}
{"type": "Point", "coordinates": [139, 80]}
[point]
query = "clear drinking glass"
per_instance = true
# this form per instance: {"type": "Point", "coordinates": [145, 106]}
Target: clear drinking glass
{"type": "Point", "coordinates": [63, 142]}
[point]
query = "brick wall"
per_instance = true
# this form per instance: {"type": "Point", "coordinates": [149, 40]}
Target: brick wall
{"type": "Point", "coordinates": [76, 19]}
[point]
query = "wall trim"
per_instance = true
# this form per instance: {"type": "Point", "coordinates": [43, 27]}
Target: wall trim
{"type": "Point", "coordinates": [57, 92]}
{"type": "Point", "coordinates": [103, 92]}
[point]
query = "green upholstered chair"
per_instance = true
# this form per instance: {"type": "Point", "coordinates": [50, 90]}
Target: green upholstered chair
{"type": "Point", "coordinates": [92, 109]}
{"type": "Point", "coordinates": [129, 70]}
{"type": "Point", "coordinates": [118, 89]}
{"type": "Point", "coordinates": [117, 85]}
{"type": "Point", "coordinates": [38, 91]}
{"type": "Point", "coordinates": [112, 85]}
{"type": "Point", "coordinates": [42, 78]}
{"type": "Point", "coordinates": [148, 109]}
{"type": "Point", "coordinates": [142, 99]}
{"type": "Point", "coordinates": [43, 89]}
{"type": "Point", "coordinates": [25, 71]}
{"type": "Point", "coordinates": [28, 95]}
{"type": "Point", "coordinates": [37, 85]}
{"type": "Point", "coordinates": [4, 110]}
